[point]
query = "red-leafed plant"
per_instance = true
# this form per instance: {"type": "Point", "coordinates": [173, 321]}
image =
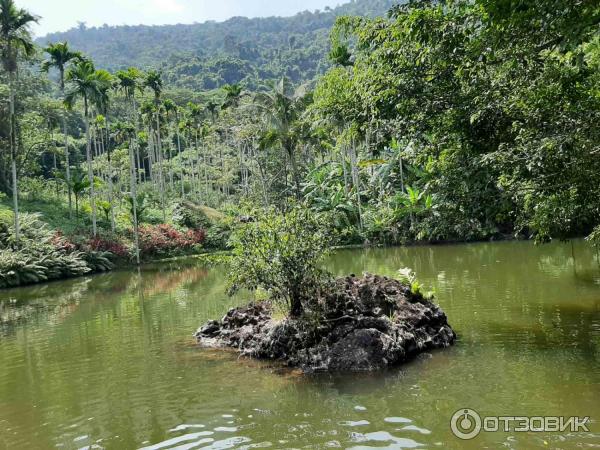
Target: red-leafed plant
{"type": "Point", "coordinates": [62, 243]}
{"type": "Point", "coordinates": [164, 239]}
{"type": "Point", "coordinates": [100, 244]}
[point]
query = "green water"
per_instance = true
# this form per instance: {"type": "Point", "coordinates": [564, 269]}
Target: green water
{"type": "Point", "coordinates": [109, 362]}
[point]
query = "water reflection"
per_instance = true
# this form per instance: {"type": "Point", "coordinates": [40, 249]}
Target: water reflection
{"type": "Point", "coordinates": [108, 361]}
{"type": "Point", "coordinates": [53, 302]}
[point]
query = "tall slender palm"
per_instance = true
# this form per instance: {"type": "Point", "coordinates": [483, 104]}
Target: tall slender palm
{"type": "Point", "coordinates": [91, 86]}
{"type": "Point", "coordinates": [129, 82]}
{"type": "Point", "coordinates": [195, 115]}
{"type": "Point", "coordinates": [213, 109]}
{"type": "Point", "coordinates": [282, 107]}
{"type": "Point", "coordinates": [154, 82]}
{"type": "Point", "coordinates": [60, 56]}
{"type": "Point", "coordinates": [171, 111]}
{"type": "Point", "coordinates": [15, 39]}
{"type": "Point", "coordinates": [233, 96]}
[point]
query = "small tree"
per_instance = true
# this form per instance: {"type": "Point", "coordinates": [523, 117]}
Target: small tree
{"type": "Point", "coordinates": [281, 253]}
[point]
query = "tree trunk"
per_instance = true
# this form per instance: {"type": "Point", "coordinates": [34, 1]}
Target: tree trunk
{"type": "Point", "coordinates": [180, 157]}
{"type": "Point", "coordinates": [161, 174]}
{"type": "Point", "coordinates": [295, 173]}
{"type": "Point", "coordinates": [150, 153]}
{"type": "Point", "coordinates": [296, 308]}
{"type": "Point", "coordinates": [77, 209]}
{"type": "Point", "coordinates": [110, 179]}
{"type": "Point", "coordinates": [198, 185]}
{"type": "Point", "coordinates": [356, 182]}
{"type": "Point", "coordinates": [401, 176]}
{"type": "Point", "coordinates": [170, 159]}
{"type": "Point", "coordinates": [134, 204]}
{"type": "Point", "coordinates": [135, 118]}
{"type": "Point", "coordinates": [67, 156]}
{"type": "Point", "coordinates": [346, 184]}
{"type": "Point", "coordinates": [88, 151]}
{"type": "Point", "coordinates": [68, 167]}
{"type": "Point", "coordinates": [13, 156]}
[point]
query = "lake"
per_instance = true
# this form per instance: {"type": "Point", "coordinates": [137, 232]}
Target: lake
{"type": "Point", "coordinates": [109, 361]}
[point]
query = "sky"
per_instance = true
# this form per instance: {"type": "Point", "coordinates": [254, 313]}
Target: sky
{"type": "Point", "coordinates": [60, 15]}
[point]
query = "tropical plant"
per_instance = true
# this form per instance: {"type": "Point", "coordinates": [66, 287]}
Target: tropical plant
{"type": "Point", "coordinates": [409, 277]}
{"type": "Point", "coordinates": [15, 39]}
{"type": "Point", "coordinates": [282, 106]}
{"type": "Point", "coordinates": [91, 86]}
{"type": "Point", "coordinates": [60, 56]}
{"type": "Point", "coordinates": [106, 208]}
{"type": "Point", "coordinates": [154, 82]}
{"type": "Point", "coordinates": [78, 183]}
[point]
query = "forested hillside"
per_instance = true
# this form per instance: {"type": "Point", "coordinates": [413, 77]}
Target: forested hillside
{"type": "Point", "coordinates": [464, 121]}
{"type": "Point", "coordinates": [209, 55]}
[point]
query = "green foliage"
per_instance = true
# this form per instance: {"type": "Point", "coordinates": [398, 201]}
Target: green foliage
{"type": "Point", "coordinates": [37, 258]}
{"type": "Point", "coordinates": [212, 55]}
{"type": "Point", "coordinates": [189, 215]}
{"type": "Point", "coordinates": [281, 253]}
{"type": "Point", "coordinates": [594, 238]}
{"type": "Point", "coordinates": [142, 207]}
{"type": "Point", "coordinates": [98, 261]}
{"type": "Point", "coordinates": [25, 266]}
{"type": "Point", "coordinates": [105, 207]}
{"type": "Point", "coordinates": [409, 277]}
{"type": "Point", "coordinates": [456, 120]}
{"type": "Point", "coordinates": [483, 114]}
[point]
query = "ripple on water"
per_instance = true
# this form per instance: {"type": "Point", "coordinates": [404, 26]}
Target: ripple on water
{"type": "Point", "coordinates": [226, 429]}
{"type": "Point", "coordinates": [186, 426]}
{"type": "Point", "coordinates": [355, 423]}
{"type": "Point", "coordinates": [415, 428]}
{"type": "Point", "coordinates": [379, 437]}
{"type": "Point", "coordinates": [397, 420]}
{"type": "Point", "coordinates": [180, 439]}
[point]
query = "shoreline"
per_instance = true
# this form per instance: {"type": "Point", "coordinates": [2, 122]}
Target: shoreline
{"type": "Point", "coordinates": [120, 265]}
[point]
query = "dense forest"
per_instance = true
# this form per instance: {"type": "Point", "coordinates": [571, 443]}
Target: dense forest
{"type": "Point", "coordinates": [209, 55]}
{"type": "Point", "coordinates": [437, 121]}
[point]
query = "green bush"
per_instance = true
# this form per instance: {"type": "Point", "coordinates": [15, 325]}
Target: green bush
{"type": "Point", "coordinates": [281, 253]}
{"type": "Point", "coordinates": [189, 215]}
{"type": "Point", "coordinates": [218, 236]}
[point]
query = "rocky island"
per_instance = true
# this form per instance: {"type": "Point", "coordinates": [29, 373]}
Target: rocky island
{"type": "Point", "coordinates": [359, 324]}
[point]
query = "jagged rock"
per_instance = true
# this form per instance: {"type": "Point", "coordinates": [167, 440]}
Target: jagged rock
{"type": "Point", "coordinates": [362, 324]}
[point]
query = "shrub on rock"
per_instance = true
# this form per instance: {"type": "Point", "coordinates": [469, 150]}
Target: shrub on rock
{"type": "Point", "coordinates": [282, 254]}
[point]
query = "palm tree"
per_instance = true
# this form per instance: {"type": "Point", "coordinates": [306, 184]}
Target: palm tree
{"type": "Point", "coordinates": [171, 110]}
{"type": "Point", "coordinates": [283, 107]}
{"type": "Point", "coordinates": [213, 109]}
{"type": "Point", "coordinates": [154, 82]}
{"type": "Point", "coordinates": [91, 86]}
{"type": "Point", "coordinates": [60, 56]}
{"type": "Point", "coordinates": [77, 183]}
{"type": "Point", "coordinates": [15, 38]}
{"type": "Point", "coordinates": [128, 82]}
{"type": "Point", "coordinates": [233, 94]}
{"type": "Point", "coordinates": [195, 120]}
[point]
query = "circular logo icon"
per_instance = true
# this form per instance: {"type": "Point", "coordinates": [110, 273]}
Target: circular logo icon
{"type": "Point", "coordinates": [465, 424]}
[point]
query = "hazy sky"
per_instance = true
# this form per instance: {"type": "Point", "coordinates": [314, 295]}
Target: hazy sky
{"type": "Point", "coordinates": [60, 15]}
